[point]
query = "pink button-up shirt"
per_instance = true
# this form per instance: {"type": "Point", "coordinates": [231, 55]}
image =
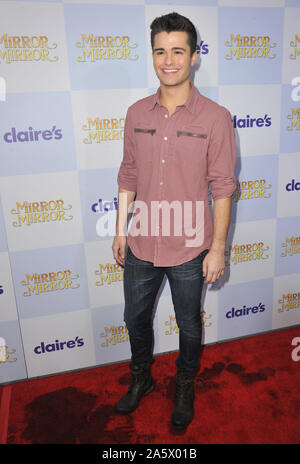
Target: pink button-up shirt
{"type": "Point", "coordinates": [170, 161]}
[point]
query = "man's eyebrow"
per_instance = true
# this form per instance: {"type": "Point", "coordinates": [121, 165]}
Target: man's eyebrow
{"type": "Point", "coordinates": [173, 48]}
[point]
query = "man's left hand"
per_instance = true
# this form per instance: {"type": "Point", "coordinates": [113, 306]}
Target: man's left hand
{"type": "Point", "coordinates": [213, 266]}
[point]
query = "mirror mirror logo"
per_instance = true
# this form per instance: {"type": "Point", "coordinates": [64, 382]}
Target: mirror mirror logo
{"type": "Point", "coordinates": [95, 48]}
{"type": "Point", "coordinates": [26, 48]}
{"type": "Point", "coordinates": [5, 354]}
{"type": "Point", "coordinates": [2, 350]}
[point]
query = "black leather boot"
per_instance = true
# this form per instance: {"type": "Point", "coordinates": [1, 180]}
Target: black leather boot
{"type": "Point", "coordinates": [141, 385]}
{"type": "Point", "coordinates": [183, 411]}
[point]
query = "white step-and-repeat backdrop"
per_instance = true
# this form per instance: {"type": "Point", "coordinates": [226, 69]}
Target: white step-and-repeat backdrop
{"type": "Point", "coordinates": [68, 72]}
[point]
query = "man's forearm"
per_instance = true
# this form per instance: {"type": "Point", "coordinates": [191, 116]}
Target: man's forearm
{"type": "Point", "coordinates": [221, 221]}
{"type": "Point", "coordinates": [214, 261]}
{"type": "Point", "coordinates": [125, 198]}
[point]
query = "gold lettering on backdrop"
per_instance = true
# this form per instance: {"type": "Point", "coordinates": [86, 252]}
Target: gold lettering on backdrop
{"type": "Point", "coordinates": [172, 324]}
{"type": "Point", "coordinates": [206, 319]}
{"type": "Point", "coordinates": [5, 355]}
{"type": "Point", "coordinates": [39, 212]}
{"type": "Point", "coordinates": [114, 335]}
{"type": "Point", "coordinates": [97, 48]}
{"type": "Point", "coordinates": [249, 47]}
{"type": "Point", "coordinates": [173, 327]}
{"type": "Point", "coordinates": [251, 189]}
{"type": "Point", "coordinates": [294, 118]}
{"type": "Point", "coordinates": [245, 253]}
{"type": "Point", "coordinates": [291, 246]}
{"type": "Point", "coordinates": [49, 282]}
{"type": "Point", "coordinates": [26, 48]}
{"type": "Point", "coordinates": [295, 50]}
{"type": "Point", "coordinates": [109, 273]}
{"type": "Point", "coordinates": [289, 301]}
{"type": "Point", "coordinates": [103, 130]}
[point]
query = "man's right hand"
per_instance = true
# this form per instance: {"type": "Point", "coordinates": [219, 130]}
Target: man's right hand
{"type": "Point", "coordinates": [118, 247]}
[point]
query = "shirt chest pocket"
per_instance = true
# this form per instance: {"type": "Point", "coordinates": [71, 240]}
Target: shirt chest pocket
{"type": "Point", "coordinates": [191, 145]}
{"type": "Point", "coordinates": [145, 136]}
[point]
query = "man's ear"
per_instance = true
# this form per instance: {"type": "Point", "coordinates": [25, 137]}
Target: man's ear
{"type": "Point", "coordinates": [194, 58]}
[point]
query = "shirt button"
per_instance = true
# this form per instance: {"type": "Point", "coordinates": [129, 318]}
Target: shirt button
{"type": "Point", "coordinates": [165, 138]}
{"type": "Point", "coordinates": [161, 183]}
{"type": "Point", "coordinates": [163, 161]}
{"type": "Point", "coordinates": [166, 115]}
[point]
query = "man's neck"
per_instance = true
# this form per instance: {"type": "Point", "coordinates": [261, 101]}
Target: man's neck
{"type": "Point", "coordinates": [172, 96]}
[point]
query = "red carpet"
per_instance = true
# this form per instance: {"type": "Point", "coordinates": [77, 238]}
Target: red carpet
{"type": "Point", "coordinates": [247, 392]}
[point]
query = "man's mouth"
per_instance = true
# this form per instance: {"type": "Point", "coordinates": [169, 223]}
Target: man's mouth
{"type": "Point", "coordinates": [170, 70]}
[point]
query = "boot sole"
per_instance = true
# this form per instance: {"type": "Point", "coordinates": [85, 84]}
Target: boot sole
{"type": "Point", "coordinates": [149, 390]}
{"type": "Point", "coordinates": [182, 426]}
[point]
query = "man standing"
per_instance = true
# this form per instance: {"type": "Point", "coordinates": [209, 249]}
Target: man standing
{"type": "Point", "coordinates": [176, 143]}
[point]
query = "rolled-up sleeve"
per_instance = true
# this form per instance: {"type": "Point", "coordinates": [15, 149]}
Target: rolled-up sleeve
{"type": "Point", "coordinates": [127, 176]}
{"type": "Point", "coordinates": [222, 157]}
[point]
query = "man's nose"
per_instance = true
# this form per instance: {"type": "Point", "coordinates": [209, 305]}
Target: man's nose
{"type": "Point", "coordinates": [168, 58]}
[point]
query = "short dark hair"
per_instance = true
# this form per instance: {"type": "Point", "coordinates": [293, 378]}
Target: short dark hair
{"type": "Point", "coordinates": [174, 22]}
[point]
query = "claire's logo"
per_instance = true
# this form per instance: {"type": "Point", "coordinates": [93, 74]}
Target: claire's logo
{"type": "Point", "coordinates": [58, 346]}
{"type": "Point", "coordinates": [40, 212]}
{"type": "Point", "coordinates": [98, 48]}
{"type": "Point", "coordinates": [293, 185]}
{"type": "Point", "coordinates": [252, 189]}
{"type": "Point", "coordinates": [114, 335]}
{"type": "Point", "coordinates": [249, 47]}
{"type": "Point", "coordinates": [295, 47]}
{"type": "Point", "coordinates": [26, 48]}
{"type": "Point", "coordinates": [202, 48]}
{"type": "Point", "coordinates": [291, 246]}
{"type": "Point", "coordinates": [99, 130]}
{"type": "Point", "coordinates": [289, 301]}
{"type": "Point", "coordinates": [32, 135]}
{"type": "Point", "coordinates": [245, 311]}
{"type": "Point", "coordinates": [102, 206]}
{"type": "Point", "coordinates": [248, 121]}
{"type": "Point", "coordinates": [49, 282]}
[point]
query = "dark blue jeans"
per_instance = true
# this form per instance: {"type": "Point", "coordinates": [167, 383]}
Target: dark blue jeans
{"type": "Point", "coordinates": [142, 281]}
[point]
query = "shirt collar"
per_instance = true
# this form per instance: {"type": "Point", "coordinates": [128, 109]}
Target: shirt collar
{"type": "Point", "coordinates": [190, 104]}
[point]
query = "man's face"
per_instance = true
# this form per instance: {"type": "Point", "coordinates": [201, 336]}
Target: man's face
{"type": "Point", "coordinates": [172, 58]}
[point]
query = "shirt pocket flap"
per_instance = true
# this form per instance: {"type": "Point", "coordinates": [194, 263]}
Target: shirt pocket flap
{"type": "Point", "coordinates": [192, 131]}
{"type": "Point", "coordinates": [144, 128]}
